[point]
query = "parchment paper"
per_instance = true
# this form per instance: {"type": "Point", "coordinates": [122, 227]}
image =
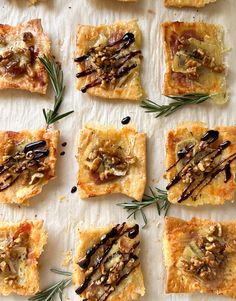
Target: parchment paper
{"type": "Point", "coordinates": [21, 110]}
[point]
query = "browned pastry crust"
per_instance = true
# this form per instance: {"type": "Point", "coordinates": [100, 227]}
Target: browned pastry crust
{"type": "Point", "coordinates": [28, 276]}
{"type": "Point", "coordinates": [217, 192]}
{"type": "Point", "coordinates": [33, 76]}
{"type": "Point", "coordinates": [89, 36]}
{"type": "Point", "coordinates": [132, 143]}
{"type": "Point", "coordinates": [21, 191]}
{"type": "Point", "coordinates": [129, 289]}
{"type": "Point", "coordinates": [178, 234]}
{"type": "Point", "coordinates": [205, 42]}
{"type": "Point", "coordinates": [187, 3]}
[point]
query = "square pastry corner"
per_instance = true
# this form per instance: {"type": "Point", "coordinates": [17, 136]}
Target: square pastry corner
{"type": "Point", "coordinates": [200, 256]}
{"type": "Point", "coordinates": [21, 245]}
{"type": "Point", "coordinates": [111, 161]}
{"type": "Point", "coordinates": [201, 164]}
{"type": "Point", "coordinates": [108, 60]}
{"type": "Point", "coordinates": [27, 163]}
{"type": "Point", "coordinates": [194, 59]}
{"type": "Point", "coordinates": [20, 49]}
{"type": "Point", "coordinates": [187, 3]}
{"type": "Point", "coordinates": [118, 276]}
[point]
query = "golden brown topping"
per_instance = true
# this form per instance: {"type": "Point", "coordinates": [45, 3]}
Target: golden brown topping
{"type": "Point", "coordinates": [207, 255]}
{"type": "Point", "coordinates": [109, 62]}
{"type": "Point", "coordinates": [28, 162]}
{"type": "Point", "coordinates": [190, 60]}
{"type": "Point", "coordinates": [106, 263]}
{"type": "Point", "coordinates": [16, 61]}
{"type": "Point", "coordinates": [3, 41]}
{"type": "Point", "coordinates": [107, 161]}
{"type": "Point", "coordinates": [28, 38]}
{"type": "Point", "coordinates": [13, 250]}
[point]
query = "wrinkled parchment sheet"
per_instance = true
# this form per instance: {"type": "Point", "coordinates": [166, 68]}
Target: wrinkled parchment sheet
{"type": "Point", "coordinates": [63, 211]}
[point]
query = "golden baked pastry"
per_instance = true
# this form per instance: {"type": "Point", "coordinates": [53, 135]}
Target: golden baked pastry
{"type": "Point", "coordinates": [188, 3]}
{"type": "Point", "coordinates": [194, 59]}
{"type": "Point", "coordinates": [107, 264]}
{"type": "Point", "coordinates": [27, 163]}
{"type": "Point", "coordinates": [108, 59]}
{"type": "Point", "coordinates": [20, 48]}
{"type": "Point", "coordinates": [21, 245]}
{"type": "Point", "coordinates": [200, 256]}
{"type": "Point", "coordinates": [111, 161]}
{"type": "Point", "coordinates": [200, 164]}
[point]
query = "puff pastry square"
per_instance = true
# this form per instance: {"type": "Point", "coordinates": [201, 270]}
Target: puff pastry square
{"type": "Point", "coordinates": [182, 240]}
{"type": "Point", "coordinates": [113, 270]}
{"type": "Point", "coordinates": [194, 59]}
{"type": "Point", "coordinates": [21, 246]}
{"type": "Point", "coordinates": [27, 163]}
{"type": "Point", "coordinates": [200, 164]}
{"type": "Point", "coordinates": [108, 60]}
{"type": "Point", "coordinates": [20, 48]}
{"type": "Point", "coordinates": [125, 147]}
{"type": "Point", "coordinates": [188, 3]}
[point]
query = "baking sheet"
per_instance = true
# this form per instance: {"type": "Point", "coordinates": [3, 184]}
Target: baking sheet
{"type": "Point", "coordinates": [63, 211]}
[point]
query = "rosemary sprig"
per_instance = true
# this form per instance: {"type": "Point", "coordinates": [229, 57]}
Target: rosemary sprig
{"type": "Point", "coordinates": [157, 197]}
{"type": "Point", "coordinates": [56, 78]}
{"type": "Point", "coordinates": [179, 102]}
{"type": "Point", "coordinates": [50, 292]}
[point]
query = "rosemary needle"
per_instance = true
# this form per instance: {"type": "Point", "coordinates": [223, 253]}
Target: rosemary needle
{"type": "Point", "coordinates": [157, 197]}
{"type": "Point", "coordinates": [51, 291]}
{"type": "Point", "coordinates": [178, 103]}
{"type": "Point", "coordinates": [56, 78]}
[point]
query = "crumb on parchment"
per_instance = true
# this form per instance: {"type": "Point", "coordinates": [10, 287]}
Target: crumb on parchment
{"type": "Point", "coordinates": [63, 198]}
{"type": "Point", "coordinates": [67, 260]}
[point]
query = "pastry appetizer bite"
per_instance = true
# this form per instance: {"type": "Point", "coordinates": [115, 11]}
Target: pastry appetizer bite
{"type": "Point", "coordinates": [108, 59]}
{"type": "Point", "coordinates": [200, 164]}
{"type": "Point", "coordinates": [27, 163]}
{"type": "Point", "coordinates": [187, 3]}
{"type": "Point", "coordinates": [200, 256]}
{"type": "Point", "coordinates": [194, 59]}
{"type": "Point", "coordinates": [20, 48]}
{"type": "Point", "coordinates": [21, 245]}
{"type": "Point", "coordinates": [107, 265]}
{"type": "Point", "coordinates": [111, 161]}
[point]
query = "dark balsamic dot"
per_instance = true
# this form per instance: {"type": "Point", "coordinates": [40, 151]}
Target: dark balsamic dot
{"type": "Point", "coordinates": [73, 189]}
{"type": "Point", "coordinates": [210, 135]}
{"type": "Point", "coordinates": [133, 232]}
{"type": "Point", "coordinates": [62, 153]}
{"type": "Point", "coordinates": [64, 144]}
{"type": "Point", "coordinates": [126, 120]}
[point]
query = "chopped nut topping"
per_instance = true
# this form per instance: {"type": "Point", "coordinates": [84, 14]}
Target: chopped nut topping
{"type": "Point", "coordinates": [196, 59]}
{"type": "Point", "coordinates": [28, 38]}
{"type": "Point", "coordinates": [106, 162]}
{"type": "Point", "coordinates": [28, 163]}
{"type": "Point", "coordinates": [3, 41]}
{"type": "Point", "coordinates": [12, 251]}
{"type": "Point", "coordinates": [18, 61]}
{"type": "Point", "coordinates": [209, 255]}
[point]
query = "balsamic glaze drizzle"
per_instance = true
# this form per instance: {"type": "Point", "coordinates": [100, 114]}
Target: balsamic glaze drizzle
{"type": "Point", "coordinates": [104, 246]}
{"type": "Point", "coordinates": [207, 176]}
{"type": "Point", "coordinates": [112, 65]}
{"type": "Point", "coordinates": [19, 162]}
